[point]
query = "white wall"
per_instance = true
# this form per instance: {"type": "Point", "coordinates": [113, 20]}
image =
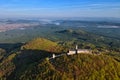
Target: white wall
{"type": "Point", "coordinates": [71, 52]}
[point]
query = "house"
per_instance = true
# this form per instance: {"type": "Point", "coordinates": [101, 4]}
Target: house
{"type": "Point", "coordinates": [78, 51]}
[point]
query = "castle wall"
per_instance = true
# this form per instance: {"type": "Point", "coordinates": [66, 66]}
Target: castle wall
{"type": "Point", "coordinates": [83, 51]}
{"type": "Point", "coordinates": [71, 52]}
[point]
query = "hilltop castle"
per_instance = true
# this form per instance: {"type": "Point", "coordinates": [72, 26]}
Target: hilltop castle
{"type": "Point", "coordinates": [78, 51]}
{"type": "Point", "coordinates": [75, 51]}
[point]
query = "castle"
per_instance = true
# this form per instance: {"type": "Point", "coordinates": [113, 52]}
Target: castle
{"type": "Point", "coordinates": [75, 51]}
{"type": "Point", "coordinates": [78, 51]}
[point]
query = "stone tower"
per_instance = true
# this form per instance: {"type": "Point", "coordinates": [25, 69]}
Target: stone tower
{"type": "Point", "coordinates": [76, 47]}
{"type": "Point", "coordinates": [53, 56]}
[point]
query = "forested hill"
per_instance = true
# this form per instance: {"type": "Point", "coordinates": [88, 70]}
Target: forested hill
{"type": "Point", "coordinates": [75, 67]}
{"type": "Point", "coordinates": [31, 62]}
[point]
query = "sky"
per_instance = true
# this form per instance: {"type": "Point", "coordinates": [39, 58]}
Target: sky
{"type": "Point", "coordinates": [60, 8]}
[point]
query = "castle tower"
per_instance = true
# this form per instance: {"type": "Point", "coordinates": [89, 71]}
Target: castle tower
{"type": "Point", "coordinates": [53, 56]}
{"type": "Point", "coordinates": [76, 47]}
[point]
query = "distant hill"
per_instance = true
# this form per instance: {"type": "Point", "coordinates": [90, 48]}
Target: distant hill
{"type": "Point", "coordinates": [73, 31]}
{"type": "Point", "coordinates": [82, 36]}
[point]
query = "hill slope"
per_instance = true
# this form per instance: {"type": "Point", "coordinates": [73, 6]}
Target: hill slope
{"type": "Point", "coordinates": [30, 53]}
{"type": "Point", "coordinates": [42, 44]}
{"type": "Point", "coordinates": [77, 67]}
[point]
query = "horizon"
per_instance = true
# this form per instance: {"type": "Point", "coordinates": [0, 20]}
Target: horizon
{"type": "Point", "coordinates": [59, 9]}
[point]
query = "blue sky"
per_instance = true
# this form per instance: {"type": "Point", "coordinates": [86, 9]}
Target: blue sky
{"type": "Point", "coordinates": [60, 8]}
